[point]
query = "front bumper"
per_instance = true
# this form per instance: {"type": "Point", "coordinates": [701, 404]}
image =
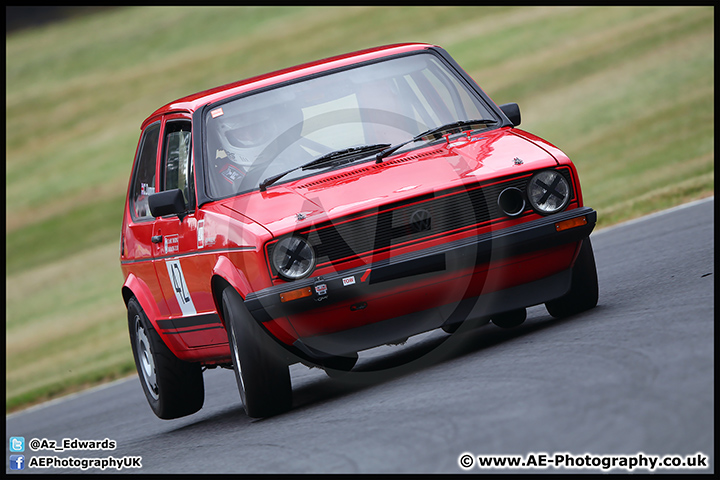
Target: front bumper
{"type": "Point", "coordinates": [353, 288]}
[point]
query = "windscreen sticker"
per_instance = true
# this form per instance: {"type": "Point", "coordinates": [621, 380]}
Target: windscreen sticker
{"type": "Point", "coordinates": [218, 112]}
{"type": "Point", "coordinates": [232, 173]}
{"type": "Point", "coordinates": [182, 294]}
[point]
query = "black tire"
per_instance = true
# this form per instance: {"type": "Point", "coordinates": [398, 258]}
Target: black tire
{"type": "Point", "coordinates": [262, 374]}
{"type": "Point", "coordinates": [173, 388]}
{"type": "Point", "coordinates": [511, 319]}
{"type": "Point", "coordinates": [583, 293]}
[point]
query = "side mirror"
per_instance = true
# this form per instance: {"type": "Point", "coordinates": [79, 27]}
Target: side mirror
{"type": "Point", "coordinates": [512, 111]}
{"type": "Point", "coordinates": [170, 202]}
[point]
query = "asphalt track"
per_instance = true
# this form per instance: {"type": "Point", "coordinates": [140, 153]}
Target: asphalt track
{"type": "Point", "coordinates": [634, 375]}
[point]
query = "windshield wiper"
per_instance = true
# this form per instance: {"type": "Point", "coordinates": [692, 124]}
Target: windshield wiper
{"type": "Point", "coordinates": [334, 158]}
{"type": "Point", "coordinates": [448, 126]}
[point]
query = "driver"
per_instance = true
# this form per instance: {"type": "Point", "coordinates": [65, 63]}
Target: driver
{"type": "Point", "coordinates": [251, 138]}
{"type": "Point", "coordinates": [244, 137]}
{"type": "Point", "coordinates": [243, 140]}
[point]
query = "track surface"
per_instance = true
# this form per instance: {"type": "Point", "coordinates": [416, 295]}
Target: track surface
{"type": "Point", "coordinates": [633, 375]}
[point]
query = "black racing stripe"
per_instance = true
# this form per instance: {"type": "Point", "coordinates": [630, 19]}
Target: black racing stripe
{"type": "Point", "coordinates": [210, 320]}
{"type": "Point", "coordinates": [193, 330]}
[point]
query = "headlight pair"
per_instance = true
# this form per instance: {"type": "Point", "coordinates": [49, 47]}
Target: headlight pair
{"type": "Point", "coordinates": [547, 191]}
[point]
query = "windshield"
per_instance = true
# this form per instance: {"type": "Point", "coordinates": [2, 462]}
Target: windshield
{"type": "Point", "coordinates": [388, 102]}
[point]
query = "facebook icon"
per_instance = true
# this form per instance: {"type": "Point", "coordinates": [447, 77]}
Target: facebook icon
{"type": "Point", "coordinates": [17, 462]}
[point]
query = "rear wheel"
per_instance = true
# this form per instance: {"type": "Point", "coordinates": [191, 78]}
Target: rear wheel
{"type": "Point", "coordinates": [583, 293]}
{"type": "Point", "coordinates": [173, 388]}
{"type": "Point", "coordinates": [262, 375]}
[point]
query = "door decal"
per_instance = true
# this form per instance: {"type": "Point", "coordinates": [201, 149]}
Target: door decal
{"type": "Point", "coordinates": [182, 294]}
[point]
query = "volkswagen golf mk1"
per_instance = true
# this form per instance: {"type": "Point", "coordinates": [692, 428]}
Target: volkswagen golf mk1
{"type": "Point", "coordinates": [315, 212]}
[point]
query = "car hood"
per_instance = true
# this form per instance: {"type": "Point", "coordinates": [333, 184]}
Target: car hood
{"type": "Point", "coordinates": [462, 161]}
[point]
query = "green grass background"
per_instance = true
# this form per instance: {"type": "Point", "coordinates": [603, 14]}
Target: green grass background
{"type": "Point", "coordinates": [626, 92]}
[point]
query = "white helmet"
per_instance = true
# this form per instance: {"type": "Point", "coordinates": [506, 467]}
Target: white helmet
{"type": "Point", "coordinates": [244, 137]}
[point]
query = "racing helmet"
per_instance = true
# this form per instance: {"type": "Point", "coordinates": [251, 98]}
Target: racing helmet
{"type": "Point", "coordinates": [244, 137]}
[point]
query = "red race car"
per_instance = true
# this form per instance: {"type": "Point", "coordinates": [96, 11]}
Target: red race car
{"type": "Point", "coordinates": [318, 211]}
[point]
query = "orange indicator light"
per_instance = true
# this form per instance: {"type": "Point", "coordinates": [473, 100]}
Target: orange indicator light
{"type": "Point", "coordinates": [572, 223]}
{"type": "Point", "coordinates": [295, 294]}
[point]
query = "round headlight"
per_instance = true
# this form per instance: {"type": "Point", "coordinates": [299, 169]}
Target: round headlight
{"type": "Point", "coordinates": [548, 192]}
{"type": "Point", "coordinates": [293, 258]}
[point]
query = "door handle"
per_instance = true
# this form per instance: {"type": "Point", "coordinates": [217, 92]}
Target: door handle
{"type": "Point", "coordinates": [156, 238]}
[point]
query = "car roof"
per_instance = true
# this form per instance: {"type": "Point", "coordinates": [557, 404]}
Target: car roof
{"type": "Point", "coordinates": [195, 101]}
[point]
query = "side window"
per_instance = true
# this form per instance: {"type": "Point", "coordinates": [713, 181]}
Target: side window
{"type": "Point", "coordinates": [177, 165]}
{"type": "Point", "coordinates": [144, 180]}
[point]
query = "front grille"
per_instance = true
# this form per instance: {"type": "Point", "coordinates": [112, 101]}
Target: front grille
{"type": "Point", "coordinates": [383, 228]}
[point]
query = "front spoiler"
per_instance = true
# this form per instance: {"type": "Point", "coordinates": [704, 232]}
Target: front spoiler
{"type": "Point", "coordinates": [323, 349]}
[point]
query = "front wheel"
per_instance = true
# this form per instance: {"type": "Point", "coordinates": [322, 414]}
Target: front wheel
{"type": "Point", "coordinates": [173, 388]}
{"type": "Point", "coordinates": [262, 375]}
{"type": "Point", "coordinates": [583, 293]}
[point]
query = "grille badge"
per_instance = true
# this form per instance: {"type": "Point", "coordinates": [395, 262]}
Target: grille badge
{"type": "Point", "coordinates": [420, 221]}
